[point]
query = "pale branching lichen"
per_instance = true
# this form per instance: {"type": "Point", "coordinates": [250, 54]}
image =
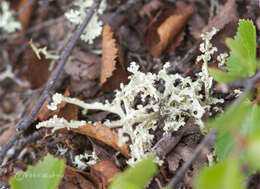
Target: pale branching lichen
{"type": "Point", "coordinates": [7, 22]}
{"type": "Point", "coordinates": [94, 27]}
{"type": "Point", "coordinates": [43, 51]}
{"type": "Point", "coordinates": [207, 50]}
{"type": "Point", "coordinates": [222, 59]}
{"type": "Point", "coordinates": [89, 160]}
{"type": "Point", "coordinates": [140, 104]}
{"type": "Point", "coordinates": [59, 123]}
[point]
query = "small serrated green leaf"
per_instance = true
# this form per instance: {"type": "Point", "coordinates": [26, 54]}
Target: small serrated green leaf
{"type": "Point", "coordinates": [241, 62]}
{"type": "Point", "coordinates": [44, 175]}
{"type": "Point", "coordinates": [135, 177]}
{"type": "Point", "coordinates": [246, 37]}
{"type": "Point", "coordinates": [225, 175]}
{"type": "Point", "coordinates": [220, 76]}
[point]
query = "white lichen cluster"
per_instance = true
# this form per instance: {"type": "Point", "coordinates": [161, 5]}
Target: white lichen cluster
{"type": "Point", "coordinates": [142, 107]}
{"type": "Point", "coordinates": [76, 16]}
{"type": "Point", "coordinates": [7, 22]}
{"type": "Point", "coordinates": [208, 50]}
{"type": "Point", "coordinates": [90, 159]}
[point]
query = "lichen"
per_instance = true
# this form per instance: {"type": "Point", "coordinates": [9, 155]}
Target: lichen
{"type": "Point", "coordinates": [76, 16]}
{"type": "Point", "coordinates": [7, 22]}
{"type": "Point", "coordinates": [152, 101]}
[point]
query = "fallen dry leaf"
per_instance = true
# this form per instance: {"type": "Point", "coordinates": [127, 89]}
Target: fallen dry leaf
{"type": "Point", "coordinates": [105, 170]}
{"type": "Point", "coordinates": [25, 9]}
{"type": "Point", "coordinates": [45, 113]}
{"type": "Point", "coordinates": [109, 54]}
{"type": "Point", "coordinates": [38, 69]}
{"type": "Point", "coordinates": [112, 67]}
{"type": "Point", "coordinates": [83, 66]}
{"type": "Point", "coordinates": [77, 179]}
{"type": "Point", "coordinates": [103, 134]}
{"type": "Point", "coordinates": [166, 26]}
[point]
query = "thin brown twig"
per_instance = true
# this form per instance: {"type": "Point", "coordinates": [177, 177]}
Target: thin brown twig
{"type": "Point", "coordinates": [208, 140]}
{"type": "Point", "coordinates": [248, 84]}
{"type": "Point", "coordinates": [27, 121]}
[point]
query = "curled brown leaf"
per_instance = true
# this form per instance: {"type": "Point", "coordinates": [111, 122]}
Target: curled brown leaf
{"type": "Point", "coordinates": [104, 134]}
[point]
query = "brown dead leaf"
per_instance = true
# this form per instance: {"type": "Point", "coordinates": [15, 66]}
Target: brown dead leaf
{"type": "Point", "coordinates": [176, 42]}
{"type": "Point", "coordinates": [105, 170]}
{"type": "Point", "coordinates": [38, 69]}
{"type": "Point", "coordinates": [103, 134]}
{"type": "Point", "coordinates": [165, 27]}
{"type": "Point", "coordinates": [83, 66]}
{"type": "Point", "coordinates": [109, 54]}
{"type": "Point", "coordinates": [77, 179]}
{"type": "Point", "coordinates": [45, 113]}
{"type": "Point", "coordinates": [25, 9]}
{"type": "Point", "coordinates": [65, 110]}
{"type": "Point", "coordinates": [112, 67]}
{"type": "Point", "coordinates": [225, 16]}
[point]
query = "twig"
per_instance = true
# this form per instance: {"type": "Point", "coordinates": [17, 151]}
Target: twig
{"type": "Point", "coordinates": [248, 83]}
{"type": "Point", "coordinates": [208, 140]}
{"type": "Point", "coordinates": [26, 122]}
{"type": "Point", "coordinates": [169, 141]}
{"type": "Point", "coordinates": [24, 141]}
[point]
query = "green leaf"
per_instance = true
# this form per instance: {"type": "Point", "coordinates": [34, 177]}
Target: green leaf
{"type": "Point", "coordinates": [242, 61]}
{"type": "Point", "coordinates": [234, 117]}
{"type": "Point", "coordinates": [135, 177]}
{"type": "Point", "coordinates": [220, 76]}
{"type": "Point", "coordinates": [251, 124]}
{"type": "Point", "coordinates": [243, 119]}
{"type": "Point", "coordinates": [238, 63]}
{"type": "Point", "coordinates": [44, 175]}
{"type": "Point", "coordinates": [246, 37]}
{"type": "Point", "coordinates": [225, 175]}
{"type": "Point", "coordinates": [224, 145]}
{"type": "Point", "coordinates": [253, 152]}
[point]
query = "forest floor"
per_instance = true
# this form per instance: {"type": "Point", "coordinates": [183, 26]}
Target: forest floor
{"type": "Point", "coordinates": [149, 33]}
